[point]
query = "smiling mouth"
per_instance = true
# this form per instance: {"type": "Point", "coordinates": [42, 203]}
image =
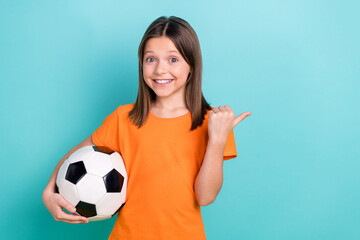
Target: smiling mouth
{"type": "Point", "coordinates": [162, 81]}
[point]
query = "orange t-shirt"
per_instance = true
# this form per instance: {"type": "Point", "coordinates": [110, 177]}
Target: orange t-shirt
{"type": "Point", "coordinates": [162, 159]}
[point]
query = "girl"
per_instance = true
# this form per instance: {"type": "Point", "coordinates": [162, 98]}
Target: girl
{"type": "Point", "coordinates": [172, 141]}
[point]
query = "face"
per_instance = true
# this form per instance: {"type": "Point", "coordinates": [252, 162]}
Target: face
{"type": "Point", "coordinates": [165, 71]}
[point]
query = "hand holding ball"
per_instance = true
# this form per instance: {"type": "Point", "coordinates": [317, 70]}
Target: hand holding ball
{"type": "Point", "coordinates": [94, 180]}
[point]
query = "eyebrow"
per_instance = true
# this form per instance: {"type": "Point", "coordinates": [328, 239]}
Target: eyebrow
{"type": "Point", "coordinates": [153, 51]}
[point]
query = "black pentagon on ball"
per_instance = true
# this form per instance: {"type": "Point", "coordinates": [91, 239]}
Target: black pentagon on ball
{"type": "Point", "coordinates": [86, 209]}
{"type": "Point", "coordinates": [113, 181]}
{"type": "Point", "coordinates": [103, 149]}
{"type": "Point", "coordinates": [75, 172]}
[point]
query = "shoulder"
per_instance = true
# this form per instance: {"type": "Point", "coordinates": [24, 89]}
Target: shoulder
{"type": "Point", "coordinates": [122, 112]}
{"type": "Point", "coordinates": [124, 109]}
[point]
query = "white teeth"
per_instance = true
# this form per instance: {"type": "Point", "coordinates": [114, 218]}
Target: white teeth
{"type": "Point", "coordinates": [162, 81]}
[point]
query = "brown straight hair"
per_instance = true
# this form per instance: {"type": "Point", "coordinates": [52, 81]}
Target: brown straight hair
{"type": "Point", "coordinates": [187, 43]}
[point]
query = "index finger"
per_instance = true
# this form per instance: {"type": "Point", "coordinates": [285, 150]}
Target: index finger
{"type": "Point", "coordinates": [227, 107]}
{"type": "Point", "coordinates": [71, 218]}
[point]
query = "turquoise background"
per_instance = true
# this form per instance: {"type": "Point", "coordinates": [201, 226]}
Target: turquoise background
{"type": "Point", "coordinates": [66, 65]}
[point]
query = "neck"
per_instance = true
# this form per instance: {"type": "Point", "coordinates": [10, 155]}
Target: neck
{"type": "Point", "coordinates": [169, 103]}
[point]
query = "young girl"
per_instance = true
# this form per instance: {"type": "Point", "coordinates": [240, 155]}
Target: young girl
{"type": "Point", "coordinates": [172, 141]}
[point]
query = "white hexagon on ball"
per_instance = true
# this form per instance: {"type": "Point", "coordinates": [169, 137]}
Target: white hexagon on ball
{"type": "Point", "coordinates": [69, 191]}
{"type": "Point", "coordinates": [98, 163]}
{"type": "Point", "coordinates": [86, 186]}
{"type": "Point", "coordinates": [80, 154]}
{"type": "Point", "coordinates": [109, 204]}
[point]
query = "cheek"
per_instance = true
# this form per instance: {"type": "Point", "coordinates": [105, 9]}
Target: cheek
{"type": "Point", "coordinates": [146, 71]}
{"type": "Point", "coordinates": [182, 72]}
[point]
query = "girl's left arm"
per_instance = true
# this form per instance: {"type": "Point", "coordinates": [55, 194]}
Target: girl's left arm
{"type": "Point", "coordinates": [210, 177]}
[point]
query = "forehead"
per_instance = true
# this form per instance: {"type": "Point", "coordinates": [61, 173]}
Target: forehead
{"type": "Point", "coordinates": [160, 45]}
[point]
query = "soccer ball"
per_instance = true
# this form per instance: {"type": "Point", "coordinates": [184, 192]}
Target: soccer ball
{"type": "Point", "coordinates": [94, 180]}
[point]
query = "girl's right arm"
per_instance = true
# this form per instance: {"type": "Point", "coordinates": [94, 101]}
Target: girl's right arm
{"type": "Point", "coordinates": [54, 202]}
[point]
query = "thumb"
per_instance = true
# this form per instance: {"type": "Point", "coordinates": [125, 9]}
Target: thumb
{"type": "Point", "coordinates": [240, 118]}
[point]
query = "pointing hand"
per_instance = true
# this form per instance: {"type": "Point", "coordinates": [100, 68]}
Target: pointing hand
{"type": "Point", "coordinates": [222, 120]}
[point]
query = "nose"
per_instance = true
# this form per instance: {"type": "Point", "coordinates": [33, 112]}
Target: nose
{"type": "Point", "coordinates": [160, 68]}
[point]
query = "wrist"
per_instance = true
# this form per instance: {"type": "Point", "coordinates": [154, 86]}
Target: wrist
{"type": "Point", "coordinates": [217, 144]}
{"type": "Point", "coordinates": [45, 195]}
{"type": "Point", "coordinates": [50, 188]}
{"type": "Point", "coordinates": [217, 141]}
{"type": "Point", "coordinates": [47, 192]}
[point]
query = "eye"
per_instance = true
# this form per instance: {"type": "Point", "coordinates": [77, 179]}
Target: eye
{"type": "Point", "coordinates": [149, 59]}
{"type": "Point", "coordinates": [173, 60]}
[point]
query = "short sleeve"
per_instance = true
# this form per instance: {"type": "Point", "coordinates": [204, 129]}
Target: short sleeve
{"type": "Point", "coordinates": [230, 147]}
{"type": "Point", "coordinates": [108, 133]}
